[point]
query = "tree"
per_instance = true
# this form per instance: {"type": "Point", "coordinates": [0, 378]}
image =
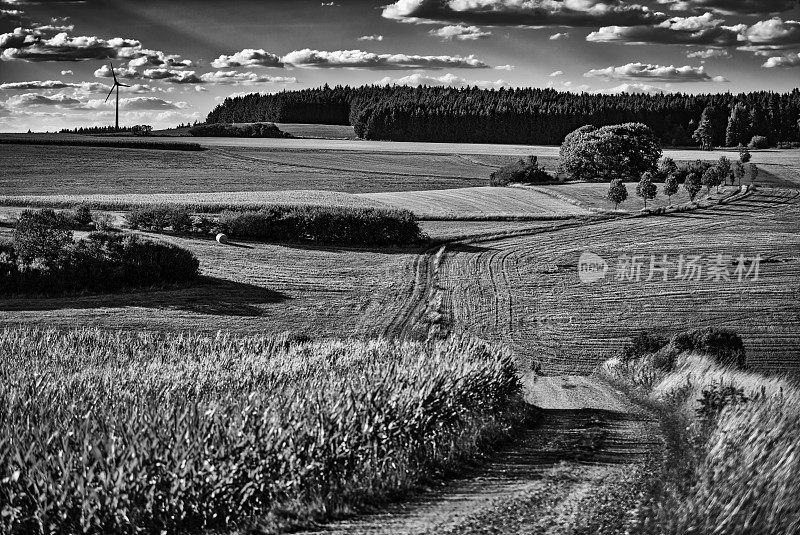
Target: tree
{"type": "Point", "coordinates": [618, 151]}
{"type": "Point", "coordinates": [724, 172]}
{"type": "Point", "coordinates": [671, 186]}
{"type": "Point", "coordinates": [523, 171]}
{"type": "Point", "coordinates": [753, 172]}
{"type": "Point", "coordinates": [693, 183]}
{"type": "Point", "coordinates": [759, 142]}
{"type": "Point", "coordinates": [711, 178]}
{"type": "Point", "coordinates": [738, 171]}
{"type": "Point", "coordinates": [646, 189]}
{"type": "Point", "coordinates": [738, 130]}
{"type": "Point", "coordinates": [666, 168]}
{"type": "Point", "coordinates": [42, 236]}
{"type": "Point", "coordinates": [744, 154]}
{"type": "Point", "coordinates": [704, 135]}
{"type": "Point", "coordinates": [617, 192]}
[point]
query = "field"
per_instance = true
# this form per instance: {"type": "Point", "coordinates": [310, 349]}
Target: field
{"type": "Point", "coordinates": [525, 290]}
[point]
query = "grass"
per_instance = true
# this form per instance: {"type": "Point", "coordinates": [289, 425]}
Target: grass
{"type": "Point", "coordinates": [735, 472]}
{"type": "Point", "coordinates": [134, 432]}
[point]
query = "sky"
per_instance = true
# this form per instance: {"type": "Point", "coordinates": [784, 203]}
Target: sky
{"type": "Point", "coordinates": [183, 58]}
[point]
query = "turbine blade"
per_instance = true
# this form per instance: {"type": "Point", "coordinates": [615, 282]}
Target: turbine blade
{"type": "Point", "coordinates": [109, 93]}
{"type": "Point", "coordinates": [113, 73]}
{"type": "Point", "coordinates": [123, 85]}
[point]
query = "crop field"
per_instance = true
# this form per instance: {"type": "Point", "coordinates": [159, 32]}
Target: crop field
{"type": "Point", "coordinates": [486, 201]}
{"type": "Point", "coordinates": [526, 292]}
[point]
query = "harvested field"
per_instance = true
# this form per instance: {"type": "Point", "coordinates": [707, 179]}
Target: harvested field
{"type": "Point", "coordinates": [525, 290]}
{"type": "Point", "coordinates": [480, 202]}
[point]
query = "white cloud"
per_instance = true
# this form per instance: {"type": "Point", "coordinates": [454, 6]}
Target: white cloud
{"type": "Point", "coordinates": [249, 57]}
{"type": "Point", "coordinates": [32, 45]}
{"type": "Point", "coordinates": [634, 71]}
{"type": "Point", "coordinates": [505, 67]}
{"type": "Point", "coordinates": [732, 7]}
{"type": "Point", "coordinates": [449, 80]}
{"type": "Point", "coordinates": [788, 59]}
{"type": "Point", "coordinates": [709, 53]}
{"type": "Point", "coordinates": [244, 78]}
{"type": "Point", "coordinates": [28, 100]}
{"type": "Point", "coordinates": [556, 73]}
{"type": "Point", "coordinates": [637, 88]}
{"type": "Point", "coordinates": [67, 73]}
{"type": "Point", "coordinates": [357, 59]}
{"type": "Point", "coordinates": [121, 72]}
{"type": "Point", "coordinates": [559, 36]}
{"type": "Point", "coordinates": [698, 30]}
{"type": "Point", "coordinates": [92, 87]}
{"type": "Point", "coordinates": [371, 38]}
{"type": "Point", "coordinates": [460, 32]}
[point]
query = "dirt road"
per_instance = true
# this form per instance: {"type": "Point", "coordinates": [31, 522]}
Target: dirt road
{"type": "Point", "coordinates": [577, 470]}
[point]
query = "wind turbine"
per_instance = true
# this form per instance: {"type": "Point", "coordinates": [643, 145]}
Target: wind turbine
{"type": "Point", "coordinates": [116, 86]}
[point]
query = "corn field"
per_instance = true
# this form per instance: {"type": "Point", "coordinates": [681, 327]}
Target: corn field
{"type": "Point", "coordinates": [135, 432]}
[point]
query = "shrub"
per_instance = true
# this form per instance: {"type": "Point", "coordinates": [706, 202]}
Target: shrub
{"type": "Point", "coordinates": [346, 226]}
{"type": "Point", "coordinates": [717, 397]}
{"type": "Point", "coordinates": [160, 217]}
{"type": "Point", "coordinates": [643, 344]}
{"type": "Point", "coordinates": [623, 151]}
{"type": "Point", "coordinates": [523, 171]}
{"type": "Point", "coordinates": [82, 215]}
{"type": "Point", "coordinates": [759, 142]}
{"type": "Point", "coordinates": [725, 346]}
{"type": "Point", "coordinates": [237, 130]}
{"type": "Point", "coordinates": [142, 130]}
{"type": "Point", "coordinates": [744, 154]}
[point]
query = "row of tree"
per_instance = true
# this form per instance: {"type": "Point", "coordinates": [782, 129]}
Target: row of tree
{"type": "Point", "coordinates": [530, 116]}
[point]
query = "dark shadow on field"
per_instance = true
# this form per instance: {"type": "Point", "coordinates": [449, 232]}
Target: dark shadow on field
{"type": "Point", "coordinates": [210, 296]}
{"type": "Point", "coordinates": [341, 249]}
{"type": "Point", "coordinates": [468, 248]}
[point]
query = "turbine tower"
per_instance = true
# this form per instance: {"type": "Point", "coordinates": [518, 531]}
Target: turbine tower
{"type": "Point", "coordinates": [116, 86]}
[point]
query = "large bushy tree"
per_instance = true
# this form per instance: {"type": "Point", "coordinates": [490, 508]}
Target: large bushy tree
{"type": "Point", "coordinates": [623, 151]}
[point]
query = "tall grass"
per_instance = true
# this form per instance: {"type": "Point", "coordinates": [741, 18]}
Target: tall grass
{"type": "Point", "coordinates": [736, 471]}
{"type": "Point", "coordinates": [136, 432]}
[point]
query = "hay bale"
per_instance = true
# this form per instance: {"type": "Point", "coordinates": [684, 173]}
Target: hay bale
{"type": "Point", "coordinates": [222, 238]}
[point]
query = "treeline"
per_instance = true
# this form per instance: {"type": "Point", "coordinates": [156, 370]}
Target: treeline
{"type": "Point", "coordinates": [96, 130]}
{"type": "Point", "coordinates": [237, 130]}
{"type": "Point", "coordinates": [529, 116]}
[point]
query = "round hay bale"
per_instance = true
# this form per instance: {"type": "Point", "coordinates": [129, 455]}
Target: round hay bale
{"type": "Point", "coordinates": [222, 238]}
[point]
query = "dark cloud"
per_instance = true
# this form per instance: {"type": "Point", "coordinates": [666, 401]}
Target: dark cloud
{"type": "Point", "coordinates": [32, 45]}
{"type": "Point", "coordinates": [89, 87]}
{"type": "Point", "coordinates": [699, 30]}
{"type": "Point", "coordinates": [523, 12]}
{"type": "Point", "coordinates": [30, 100]}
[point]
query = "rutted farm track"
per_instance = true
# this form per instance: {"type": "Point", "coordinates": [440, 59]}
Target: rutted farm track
{"type": "Point", "coordinates": [524, 291]}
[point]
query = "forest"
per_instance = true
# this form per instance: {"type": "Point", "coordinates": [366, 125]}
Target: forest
{"type": "Point", "coordinates": [527, 116]}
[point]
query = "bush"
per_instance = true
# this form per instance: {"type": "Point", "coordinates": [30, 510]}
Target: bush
{"type": "Point", "coordinates": [237, 130]}
{"type": "Point", "coordinates": [159, 218]}
{"type": "Point", "coordinates": [523, 171]}
{"type": "Point", "coordinates": [717, 397]}
{"type": "Point", "coordinates": [42, 236]}
{"type": "Point", "coordinates": [725, 346]}
{"type": "Point", "coordinates": [759, 142]}
{"type": "Point", "coordinates": [643, 344]}
{"type": "Point", "coordinates": [82, 216]}
{"type": "Point", "coordinates": [142, 130]}
{"type": "Point", "coordinates": [624, 151]}
{"type": "Point", "coordinates": [346, 226]}
{"type": "Point", "coordinates": [104, 261]}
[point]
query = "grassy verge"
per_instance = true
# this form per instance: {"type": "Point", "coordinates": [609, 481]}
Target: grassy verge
{"type": "Point", "coordinates": [136, 432]}
{"type": "Point", "coordinates": [103, 142]}
{"type": "Point", "coordinates": [731, 435]}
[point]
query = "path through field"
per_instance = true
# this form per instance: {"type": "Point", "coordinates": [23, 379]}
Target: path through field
{"type": "Point", "coordinates": [578, 469]}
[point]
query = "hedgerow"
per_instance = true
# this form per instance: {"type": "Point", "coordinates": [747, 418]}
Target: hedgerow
{"type": "Point", "coordinates": [237, 130]}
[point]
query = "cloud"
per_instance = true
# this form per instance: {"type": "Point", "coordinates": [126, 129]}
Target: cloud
{"type": "Point", "coordinates": [143, 57]}
{"type": "Point", "coordinates": [788, 59]}
{"type": "Point", "coordinates": [121, 72]}
{"type": "Point", "coordinates": [371, 38]}
{"type": "Point", "coordinates": [357, 59]}
{"type": "Point", "coordinates": [699, 30]}
{"type": "Point", "coordinates": [88, 87]}
{"type": "Point", "coordinates": [249, 57]}
{"type": "Point", "coordinates": [772, 34]}
{"type": "Point", "coordinates": [449, 80]}
{"type": "Point", "coordinates": [67, 73]}
{"type": "Point", "coordinates": [732, 7]}
{"type": "Point", "coordinates": [135, 104]}
{"type": "Point", "coordinates": [32, 100]}
{"type": "Point", "coordinates": [244, 78]}
{"type": "Point", "coordinates": [709, 53]}
{"type": "Point", "coordinates": [639, 88]}
{"type": "Point", "coordinates": [172, 76]}
{"type": "Point", "coordinates": [460, 32]}
{"type": "Point", "coordinates": [535, 13]}
{"type": "Point", "coordinates": [556, 73]}
{"type": "Point", "coordinates": [636, 71]}
{"type": "Point", "coordinates": [30, 45]}
{"type": "Point", "coordinates": [559, 36]}
{"type": "Point", "coordinates": [505, 67]}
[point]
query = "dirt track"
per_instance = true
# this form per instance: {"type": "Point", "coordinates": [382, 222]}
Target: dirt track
{"type": "Point", "coordinates": [578, 470]}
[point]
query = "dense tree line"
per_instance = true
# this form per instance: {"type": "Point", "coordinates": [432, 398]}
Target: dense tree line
{"type": "Point", "coordinates": [531, 116]}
